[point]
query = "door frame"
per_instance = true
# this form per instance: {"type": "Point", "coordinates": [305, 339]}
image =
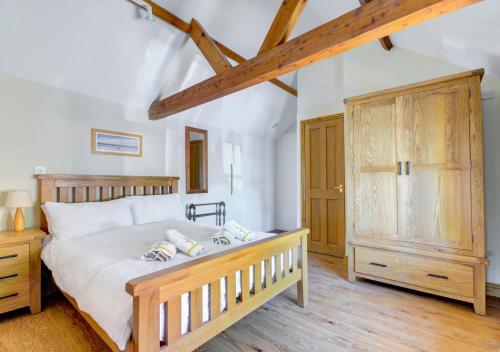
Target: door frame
{"type": "Point", "coordinates": [303, 124]}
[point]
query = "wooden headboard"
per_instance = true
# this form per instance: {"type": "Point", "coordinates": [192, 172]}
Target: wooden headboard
{"type": "Point", "coordinates": [90, 188]}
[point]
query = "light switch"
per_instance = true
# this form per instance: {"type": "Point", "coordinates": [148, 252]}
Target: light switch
{"type": "Point", "coordinates": [39, 170]}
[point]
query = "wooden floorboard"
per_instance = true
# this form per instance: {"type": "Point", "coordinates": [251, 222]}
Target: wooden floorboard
{"type": "Point", "coordinates": [363, 316]}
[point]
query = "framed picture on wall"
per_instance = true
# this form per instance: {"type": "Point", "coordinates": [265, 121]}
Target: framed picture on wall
{"type": "Point", "coordinates": [116, 143]}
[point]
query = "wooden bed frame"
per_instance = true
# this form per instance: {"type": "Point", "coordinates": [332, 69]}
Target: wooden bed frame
{"type": "Point", "coordinates": [166, 287]}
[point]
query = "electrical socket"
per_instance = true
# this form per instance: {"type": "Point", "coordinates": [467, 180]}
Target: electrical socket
{"type": "Point", "coordinates": [39, 170]}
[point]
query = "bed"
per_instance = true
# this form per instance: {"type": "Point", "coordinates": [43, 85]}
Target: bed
{"type": "Point", "coordinates": [135, 305]}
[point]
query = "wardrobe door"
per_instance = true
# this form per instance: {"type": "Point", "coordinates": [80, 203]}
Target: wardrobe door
{"type": "Point", "coordinates": [375, 169]}
{"type": "Point", "coordinates": [433, 133]}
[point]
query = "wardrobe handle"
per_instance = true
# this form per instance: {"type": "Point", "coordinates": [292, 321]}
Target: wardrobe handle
{"type": "Point", "coordinates": [8, 276]}
{"type": "Point", "coordinates": [438, 276]}
{"type": "Point", "coordinates": [8, 296]}
{"type": "Point", "coordinates": [400, 167]}
{"type": "Point", "coordinates": [378, 264]}
{"type": "Point", "coordinates": [9, 256]}
{"type": "Point", "coordinates": [407, 167]}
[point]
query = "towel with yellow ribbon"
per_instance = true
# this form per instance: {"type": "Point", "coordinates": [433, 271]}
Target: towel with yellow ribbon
{"type": "Point", "coordinates": [161, 251]}
{"type": "Point", "coordinates": [184, 244]}
{"type": "Point", "coordinates": [239, 231]}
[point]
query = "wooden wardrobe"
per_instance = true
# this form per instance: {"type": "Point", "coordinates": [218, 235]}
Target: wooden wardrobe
{"type": "Point", "coordinates": [414, 187]}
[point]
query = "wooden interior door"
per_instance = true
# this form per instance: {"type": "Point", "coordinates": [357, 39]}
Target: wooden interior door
{"type": "Point", "coordinates": [324, 207]}
{"type": "Point", "coordinates": [375, 169]}
{"type": "Point", "coordinates": [435, 148]}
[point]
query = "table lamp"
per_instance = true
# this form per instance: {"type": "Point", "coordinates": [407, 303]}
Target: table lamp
{"type": "Point", "coordinates": [18, 199]}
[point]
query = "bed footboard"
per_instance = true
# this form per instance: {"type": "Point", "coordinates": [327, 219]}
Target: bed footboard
{"type": "Point", "coordinates": [287, 251]}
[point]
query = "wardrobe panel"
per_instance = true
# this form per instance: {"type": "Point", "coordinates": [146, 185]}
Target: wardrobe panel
{"type": "Point", "coordinates": [375, 169]}
{"type": "Point", "coordinates": [436, 157]}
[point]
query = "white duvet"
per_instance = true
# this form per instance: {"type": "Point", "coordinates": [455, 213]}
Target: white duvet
{"type": "Point", "coordinates": [94, 269]}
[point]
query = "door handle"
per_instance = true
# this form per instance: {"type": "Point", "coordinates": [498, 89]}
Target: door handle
{"type": "Point", "coordinates": [339, 188]}
{"type": "Point", "coordinates": [438, 276]}
{"type": "Point", "coordinates": [9, 256]}
{"type": "Point", "coordinates": [400, 167]}
{"type": "Point", "coordinates": [8, 296]}
{"type": "Point", "coordinates": [8, 276]}
{"type": "Point", "coordinates": [407, 167]}
{"type": "Point", "coordinates": [378, 264]}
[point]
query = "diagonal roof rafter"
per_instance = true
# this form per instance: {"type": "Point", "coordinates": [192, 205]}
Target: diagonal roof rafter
{"type": "Point", "coordinates": [369, 22]}
{"type": "Point", "coordinates": [185, 27]}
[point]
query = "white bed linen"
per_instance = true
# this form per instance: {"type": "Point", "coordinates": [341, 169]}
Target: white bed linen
{"type": "Point", "coordinates": [94, 270]}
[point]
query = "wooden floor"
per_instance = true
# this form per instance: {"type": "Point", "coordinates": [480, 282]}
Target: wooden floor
{"type": "Point", "coordinates": [363, 316]}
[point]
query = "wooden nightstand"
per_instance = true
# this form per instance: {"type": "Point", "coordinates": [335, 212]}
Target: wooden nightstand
{"type": "Point", "coordinates": [20, 270]}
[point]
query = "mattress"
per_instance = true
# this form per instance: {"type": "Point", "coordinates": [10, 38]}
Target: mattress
{"type": "Point", "coordinates": [94, 270]}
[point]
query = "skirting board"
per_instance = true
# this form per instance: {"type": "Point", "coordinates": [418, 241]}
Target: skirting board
{"type": "Point", "coordinates": [493, 289]}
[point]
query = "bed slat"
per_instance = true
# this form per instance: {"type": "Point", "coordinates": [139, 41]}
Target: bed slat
{"type": "Point", "coordinates": [287, 263]}
{"type": "Point", "coordinates": [269, 273]}
{"type": "Point", "coordinates": [257, 280]}
{"type": "Point", "coordinates": [117, 192]}
{"type": "Point", "coordinates": [245, 283]}
{"type": "Point", "coordinates": [63, 195]}
{"type": "Point", "coordinates": [215, 299]}
{"type": "Point", "coordinates": [78, 195]}
{"type": "Point", "coordinates": [129, 191]}
{"type": "Point", "coordinates": [174, 319]}
{"type": "Point", "coordinates": [294, 259]}
{"type": "Point", "coordinates": [92, 194]}
{"type": "Point", "coordinates": [231, 291]}
{"type": "Point", "coordinates": [196, 308]}
{"type": "Point", "coordinates": [105, 194]}
{"type": "Point", "coordinates": [174, 187]}
{"type": "Point", "coordinates": [278, 268]}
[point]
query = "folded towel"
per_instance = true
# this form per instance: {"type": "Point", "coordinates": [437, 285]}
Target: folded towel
{"type": "Point", "coordinates": [239, 231]}
{"type": "Point", "coordinates": [161, 251]}
{"type": "Point", "coordinates": [184, 244]}
{"type": "Point", "coordinates": [222, 237]}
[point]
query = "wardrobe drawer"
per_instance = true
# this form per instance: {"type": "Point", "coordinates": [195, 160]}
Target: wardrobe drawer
{"type": "Point", "coordinates": [12, 255]}
{"type": "Point", "coordinates": [416, 270]}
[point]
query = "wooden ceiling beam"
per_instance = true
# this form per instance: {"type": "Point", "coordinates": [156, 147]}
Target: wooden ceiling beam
{"type": "Point", "coordinates": [209, 48]}
{"type": "Point", "coordinates": [386, 41]}
{"type": "Point", "coordinates": [362, 25]}
{"type": "Point", "coordinates": [240, 59]}
{"type": "Point", "coordinates": [185, 27]}
{"type": "Point", "coordinates": [283, 24]}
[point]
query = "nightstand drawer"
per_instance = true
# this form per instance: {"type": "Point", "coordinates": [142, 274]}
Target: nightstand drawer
{"type": "Point", "coordinates": [13, 255]}
{"type": "Point", "coordinates": [15, 296]}
{"type": "Point", "coordinates": [14, 274]}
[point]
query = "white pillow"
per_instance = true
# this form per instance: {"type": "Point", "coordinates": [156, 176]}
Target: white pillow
{"type": "Point", "coordinates": [71, 220]}
{"type": "Point", "coordinates": [146, 209]}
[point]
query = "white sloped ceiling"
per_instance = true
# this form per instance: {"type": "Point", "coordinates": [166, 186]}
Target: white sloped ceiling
{"type": "Point", "coordinates": [106, 49]}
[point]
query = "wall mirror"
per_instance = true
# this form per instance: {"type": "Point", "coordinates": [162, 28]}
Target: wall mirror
{"type": "Point", "coordinates": [196, 160]}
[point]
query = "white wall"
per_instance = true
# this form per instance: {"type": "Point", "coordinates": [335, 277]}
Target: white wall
{"type": "Point", "coordinates": [252, 157]}
{"type": "Point", "coordinates": [370, 68]}
{"type": "Point", "coordinates": [46, 126]}
{"type": "Point", "coordinates": [285, 180]}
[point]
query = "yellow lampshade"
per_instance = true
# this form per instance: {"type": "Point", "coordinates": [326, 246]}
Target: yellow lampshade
{"type": "Point", "coordinates": [18, 199]}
